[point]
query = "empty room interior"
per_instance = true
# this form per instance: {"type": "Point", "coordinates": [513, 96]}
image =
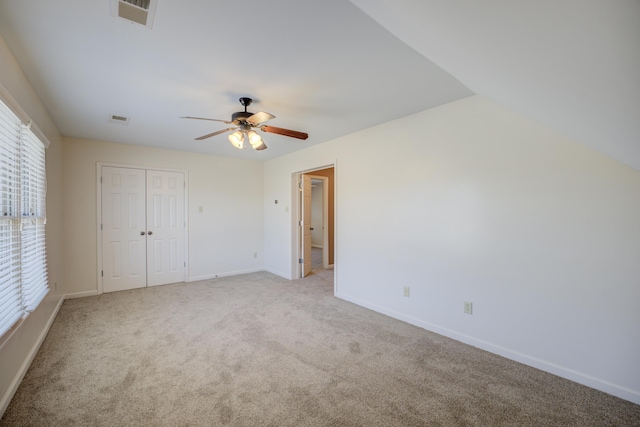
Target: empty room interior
{"type": "Point", "coordinates": [466, 175]}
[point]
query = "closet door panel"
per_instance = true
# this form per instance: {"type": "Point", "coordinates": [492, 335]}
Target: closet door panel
{"type": "Point", "coordinates": [123, 229]}
{"type": "Point", "coordinates": [166, 227]}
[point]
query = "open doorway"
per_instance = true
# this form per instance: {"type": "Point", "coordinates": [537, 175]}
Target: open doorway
{"type": "Point", "coordinates": [315, 221]}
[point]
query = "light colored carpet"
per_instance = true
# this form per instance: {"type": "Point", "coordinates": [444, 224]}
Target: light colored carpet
{"type": "Point", "coordinates": [258, 350]}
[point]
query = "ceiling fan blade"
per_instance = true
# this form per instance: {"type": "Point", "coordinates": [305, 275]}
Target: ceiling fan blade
{"type": "Point", "coordinates": [209, 135]}
{"type": "Point", "coordinates": [202, 118]}
{"type": "Point", "coordinates": [285, 132]}
{"type": "Point", "coordinates": [260, 117]}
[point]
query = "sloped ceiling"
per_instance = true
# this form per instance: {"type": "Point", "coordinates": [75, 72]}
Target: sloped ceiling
{"type": "Point", "coordinates": [572, 65]}
{"type": "Point", "coordinates": [329, 67]}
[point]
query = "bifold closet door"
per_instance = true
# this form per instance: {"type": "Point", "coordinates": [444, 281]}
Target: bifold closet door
{"type": "Point", "coordinates": [143, 228]}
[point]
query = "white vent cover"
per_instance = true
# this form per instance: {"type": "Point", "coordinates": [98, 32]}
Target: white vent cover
{"type": "Point", "coordinates": [114, 118]}
{"type": "Point", "coordinates": [144, 4]}
{"type": "Point", "coordinates": [138, 11]}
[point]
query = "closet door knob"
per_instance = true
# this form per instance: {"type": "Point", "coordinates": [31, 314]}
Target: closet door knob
{"type": "Point", "coordinates": [150, 233]}
{"type": "Point", "coordinates": [142, 233]}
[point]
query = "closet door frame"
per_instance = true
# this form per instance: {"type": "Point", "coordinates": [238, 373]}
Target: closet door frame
{"type": "Point", "coordinates": [99, 166]}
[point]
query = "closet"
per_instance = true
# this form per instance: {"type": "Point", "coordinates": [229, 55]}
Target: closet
{"type": "Point", "coordinates": [142, 227]}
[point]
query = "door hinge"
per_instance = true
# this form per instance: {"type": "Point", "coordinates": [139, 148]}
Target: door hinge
{"type": "Point", "coordinates": [102, 273]}
{"type": "Point", "coordinates": [300, 223]}
{"type": "Point", "coordinates": [100, 180]}
{"type": "Point", "coordinates": [300, 261]}
{"type": "Point", "coordinates": [100, 226]}
{"type": "Point", "coordinates": [185, 263]}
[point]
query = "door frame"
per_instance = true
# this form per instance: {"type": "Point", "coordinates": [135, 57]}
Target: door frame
{"type": "Point", "coordinates": [296, 217]}
{"type": "Point", "coordinates": [99, 166]}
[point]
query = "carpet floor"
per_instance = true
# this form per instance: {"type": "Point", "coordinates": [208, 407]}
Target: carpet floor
{"type": "Point", "coordinates": [259, 350]}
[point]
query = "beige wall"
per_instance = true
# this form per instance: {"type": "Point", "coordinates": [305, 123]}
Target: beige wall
{"type": "Point", "coordinates": [17, 351]}
{"type": "Point", "coordinates": [222, 239]}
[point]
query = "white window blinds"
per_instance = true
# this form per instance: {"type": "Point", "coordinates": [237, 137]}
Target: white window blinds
{"type": "Point", "coordinates": [10, 300]}
{"type": "Point", "coordinates": [32, 237]}
{"type": "Point", "coordinates": [23, 267]}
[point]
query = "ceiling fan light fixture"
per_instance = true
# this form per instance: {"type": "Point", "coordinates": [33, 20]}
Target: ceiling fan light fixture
{"type": "Point", "coordinates": [254, 139]}
{"type": "Point", "coordinates": [237, 139]}
{"type": "Point", "coordinates": [260, 147]}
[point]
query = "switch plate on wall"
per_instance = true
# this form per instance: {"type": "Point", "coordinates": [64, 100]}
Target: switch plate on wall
{"type": "Point", "coordinates": [468, 307]}
{"type": "Point", "coordinates": [405, 291]}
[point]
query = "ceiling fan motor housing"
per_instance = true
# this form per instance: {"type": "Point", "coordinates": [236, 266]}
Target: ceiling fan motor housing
{"type": "Point", "coordinates": [240, 116]}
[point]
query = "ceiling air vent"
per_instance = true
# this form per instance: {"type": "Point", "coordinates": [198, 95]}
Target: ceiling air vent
{"type": "Point", "coordinates": [139, 11]}
{"type": "Point", "coordinates": [118, 119]}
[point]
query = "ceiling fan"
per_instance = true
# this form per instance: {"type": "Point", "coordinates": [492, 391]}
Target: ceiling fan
{"type": "Point", "coordinates": [246, 122]}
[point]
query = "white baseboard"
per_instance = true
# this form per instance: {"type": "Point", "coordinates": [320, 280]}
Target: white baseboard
{"type": "Point", "coordinates": [278, 273]}
{"type": "Point", "coordinates": [561, 371]}
{"type": "Point", "coordinates": [225, 274]}
{"type": "Point", "coordinates": [81, 294]}
{"type": "Point", "coordinates": [11, 391]}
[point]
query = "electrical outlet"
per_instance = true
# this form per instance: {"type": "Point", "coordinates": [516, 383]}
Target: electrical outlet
{"type": "Point", "coordinates": [468, 307]}
{"type": "Point", "coordinates": [255, 254]}
{"type": "Point", "coordinates": [405, 291]}
{"type": "Point", "coordinates": [55, 286]}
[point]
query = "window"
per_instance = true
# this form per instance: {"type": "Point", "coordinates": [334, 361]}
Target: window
{"type": "Point", "coordinates": [23, 264]}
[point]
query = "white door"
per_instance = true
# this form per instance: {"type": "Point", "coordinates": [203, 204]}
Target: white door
{"type": "Point", "coordinates": [124, 240]}
{"type": "Point", "coordinates": [143, 228]}
{"type": "Point", "coordinates": [306, 224]}
{"type": "Point", "coordinates": [165, 227]}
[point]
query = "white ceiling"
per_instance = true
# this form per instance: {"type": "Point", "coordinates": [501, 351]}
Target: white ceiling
{"type": "Point", "coordinates": [321, 67]}
{"type": "Point", "coordinates": [329, 67]}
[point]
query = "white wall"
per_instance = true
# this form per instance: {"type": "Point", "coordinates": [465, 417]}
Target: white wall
{"type": "Point", "coordinates": [17, 351]}
{"type": "Point", "coordinates": [480, 204]}
{"type": "Point", "coordinates": [222, 239]}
